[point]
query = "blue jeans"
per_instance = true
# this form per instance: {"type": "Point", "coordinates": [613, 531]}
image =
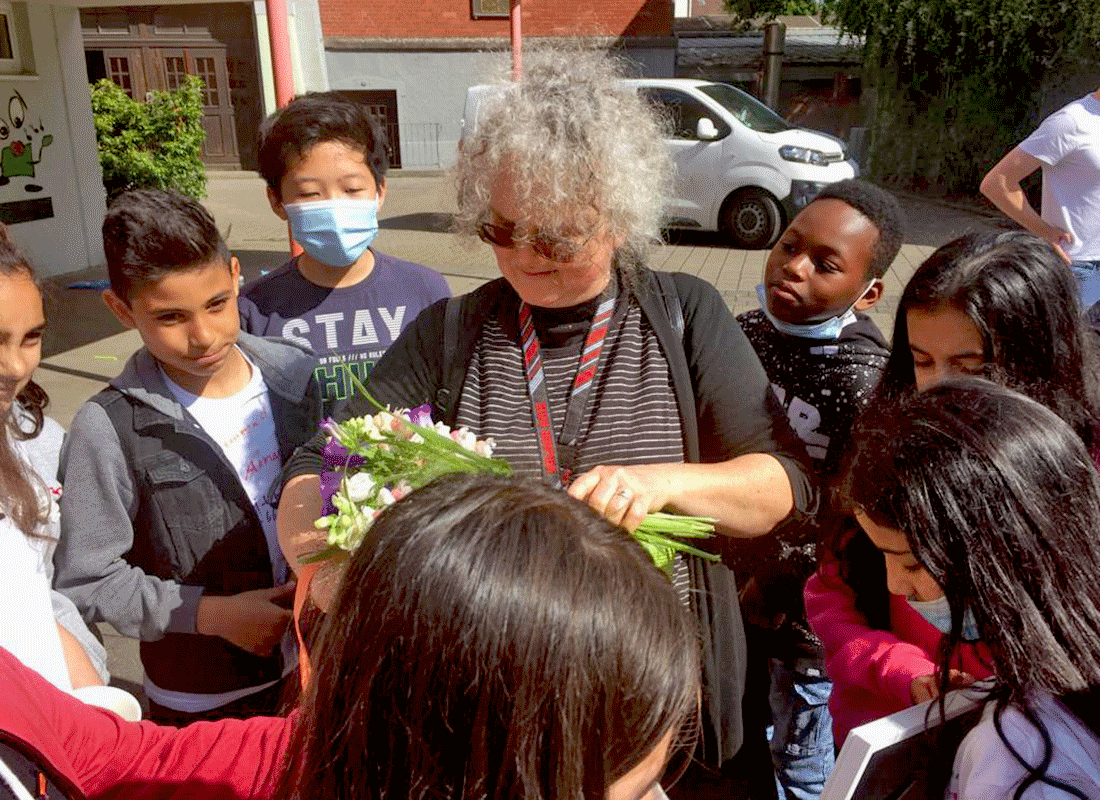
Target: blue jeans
{"type": "Point", "coordinates": [1088, 281]}
{"type": "Point", "coordinates": [802, 728]}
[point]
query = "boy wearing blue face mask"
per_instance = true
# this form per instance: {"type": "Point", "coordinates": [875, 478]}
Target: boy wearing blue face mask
{"type": "Point", "coordinates": [823, 356]}
{"type": "Point", "coordinates": [324, 160]}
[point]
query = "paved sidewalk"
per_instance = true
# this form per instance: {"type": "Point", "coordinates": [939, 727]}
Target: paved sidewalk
{"type": "Point", "coordinates": [85, 346]}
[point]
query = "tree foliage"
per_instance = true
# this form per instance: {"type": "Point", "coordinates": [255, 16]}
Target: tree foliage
{"type": "Point", "coordinates": [958, 82]}
{"type": "Point", "coordinates": [152, 144]}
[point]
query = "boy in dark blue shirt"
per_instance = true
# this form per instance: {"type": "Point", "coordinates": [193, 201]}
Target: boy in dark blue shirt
{"type": "Point", "coordinates": [324, 160]}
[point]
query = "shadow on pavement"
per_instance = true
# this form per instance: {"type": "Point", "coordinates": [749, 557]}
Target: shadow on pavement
{"type": "Point", "coordinates": [427, 221]}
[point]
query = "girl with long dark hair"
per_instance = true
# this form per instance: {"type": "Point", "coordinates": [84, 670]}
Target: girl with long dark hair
{"type": "Point", "coordinates": [490, 639]}
{"type": "Point", "coordinates": [41, 627]}
{"type": "Point", "coordinates": [1001, 305]}
{"type": "Point", "coordinates": [990, 499]}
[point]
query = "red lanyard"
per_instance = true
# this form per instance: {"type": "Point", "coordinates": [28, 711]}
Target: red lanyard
{"type": "Point", "coordinates": [553, 470]}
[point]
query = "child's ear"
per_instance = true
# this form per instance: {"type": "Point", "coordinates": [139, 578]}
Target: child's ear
{"type": "Point", "coordinates": [871, 296]}
{"type": "Point", "coordinates": [381, 192]}
{"type": "Point", "coordinates": [276, 203]}
{"type": "Point", "coordinates": [235, 271]}
{"type": "Point", "coordinates": [119, 308]}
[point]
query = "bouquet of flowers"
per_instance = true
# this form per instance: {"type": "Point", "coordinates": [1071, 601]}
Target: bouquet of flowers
{"type": "Point", "coordinates": [371, 462]}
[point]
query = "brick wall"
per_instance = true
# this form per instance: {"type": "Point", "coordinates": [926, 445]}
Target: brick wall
{"type": "Point", "coordinates": [439, 19]}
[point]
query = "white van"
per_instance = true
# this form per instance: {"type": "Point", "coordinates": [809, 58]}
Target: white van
{"type": "Point", "coordinates": [741, 168]}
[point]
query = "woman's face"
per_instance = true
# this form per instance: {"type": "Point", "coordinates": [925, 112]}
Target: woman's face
{"type": "Point", "coordinates": [944, 342]}
{"type": "Point", "coordinates": [904, 574]}
{"type": "Point", "coordinates": [537, 279]}
{"type": "Point", "coordinates": [640, 782]}
{"type": "Point", "coordinates": [22, 323]}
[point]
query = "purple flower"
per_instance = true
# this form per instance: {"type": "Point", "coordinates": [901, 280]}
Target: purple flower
{"type": "Point", "coordinates": [421, 415]}
{"type": "Point", "coordinates": [330, 483]}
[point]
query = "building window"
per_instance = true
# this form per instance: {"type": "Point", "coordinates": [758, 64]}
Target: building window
{"type": "Point", "coordinates": [10, 62]}
{"type": "Point", "coordinates": [491, 8]}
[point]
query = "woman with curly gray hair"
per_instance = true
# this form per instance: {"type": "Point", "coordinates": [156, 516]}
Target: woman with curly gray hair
{"type": "Point", "coordinates": [634, 390]}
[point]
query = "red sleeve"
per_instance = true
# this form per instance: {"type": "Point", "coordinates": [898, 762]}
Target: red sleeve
{"type": "Point", "coordinates": [855, 653]}
{"type": "Point", "coordinates": [109, 757]}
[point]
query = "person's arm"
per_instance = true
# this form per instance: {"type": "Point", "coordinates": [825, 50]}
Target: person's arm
{"type": "Point", "coordinates": [97, 531]}
{"type": "Point", "coordinates": [755, 472]}
{"type": "Point", "coordinates": [1002, 186]}
{"type": "Point", "coordinates": [81, 671]}
{"type": "Point", "coordinates": [855, 653]}
{"type": "Point", "coordinates": [748, 495]}
{"type": "Point", "coordinates": [109, 757]}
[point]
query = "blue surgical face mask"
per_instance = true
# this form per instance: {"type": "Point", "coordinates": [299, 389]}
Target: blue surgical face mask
{"type": "Point", "coordinates": [335, 232]}
{"type": "Point", "coordinates": [826, 330]}
{"type": "Point", "coordinates": [938, 614]}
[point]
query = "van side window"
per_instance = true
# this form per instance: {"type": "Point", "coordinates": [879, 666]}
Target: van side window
{"type": "Point", "coordinates": [684, 112]}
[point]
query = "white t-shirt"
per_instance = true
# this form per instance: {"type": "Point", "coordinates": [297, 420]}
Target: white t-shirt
{"type": "Point", "coordinates": [28, 628]}
{"type": "Point", "coordinates": [1068, 144]}
{"type": "Point", "coordinates": [985, 769]}
{"type": "Point", "coordinates": [243, 426]}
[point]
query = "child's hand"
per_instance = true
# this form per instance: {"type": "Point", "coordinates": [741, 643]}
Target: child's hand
{"type": "Point", "coordinates": [927, 687]}
{"type": "Point", "coordinates": [253, 621]}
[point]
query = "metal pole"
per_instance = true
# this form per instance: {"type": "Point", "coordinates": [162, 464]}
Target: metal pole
{"type": "Point", "coordinates": [278, 31]}
{"type": "Point", "coordinates": [517, 41]}
{"type": "Point", "coordinates": [774, 35]}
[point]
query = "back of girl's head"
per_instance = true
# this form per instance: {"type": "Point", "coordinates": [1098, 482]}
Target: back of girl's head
{"type": "Point", "coordinates": [494, 639]}
{"type": "Point", "coordinates": [1000, 502]}
{"type": "Point", "coordinates": [1022, 298]}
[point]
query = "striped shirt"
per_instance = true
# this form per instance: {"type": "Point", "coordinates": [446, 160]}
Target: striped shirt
{"type": "Point", "coordinates": [631, 415]}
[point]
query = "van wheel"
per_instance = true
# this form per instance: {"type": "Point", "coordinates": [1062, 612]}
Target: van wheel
{"type": "Point", "coordinates": [752, 218]}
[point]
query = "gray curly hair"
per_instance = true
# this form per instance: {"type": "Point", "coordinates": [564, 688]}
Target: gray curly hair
{"type": "Point", "coordinates": [571, 136]}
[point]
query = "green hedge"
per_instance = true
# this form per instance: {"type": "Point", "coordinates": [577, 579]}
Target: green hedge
{"type": "Point", "coordinates": [152, 144]}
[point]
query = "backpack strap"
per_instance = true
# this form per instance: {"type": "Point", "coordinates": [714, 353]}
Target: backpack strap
{"type": "Point", "coordinates": [463, 318]}
{"type": "Point", "coordinates": [663, 307]}
{"type": "Point", "coordinates": [446, 398]}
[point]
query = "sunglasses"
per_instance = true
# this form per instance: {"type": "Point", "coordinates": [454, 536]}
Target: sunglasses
{"type": "Point", "coordinates": [552, 248]}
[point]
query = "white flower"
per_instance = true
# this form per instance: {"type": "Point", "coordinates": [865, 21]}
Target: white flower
{"type": "Point", "coordinates": [359, 486]}
{"type": "Point", "coordinates": [485, 447]}
{"type": "Point", "coordinates": [385, 497]}
{"type": "Point", "coordinates": [465, 437]}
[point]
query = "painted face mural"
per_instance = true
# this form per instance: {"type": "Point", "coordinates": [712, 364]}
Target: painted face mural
{"type": "Point", "coordinates": [23, 138]}
{"type": "Point", "coordinates": [23, 142]}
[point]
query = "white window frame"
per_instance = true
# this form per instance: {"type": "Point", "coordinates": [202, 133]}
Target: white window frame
{"type": "Point", "coordinates": [13, 65]}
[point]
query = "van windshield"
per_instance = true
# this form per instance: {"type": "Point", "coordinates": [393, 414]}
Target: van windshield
{"type": "Point", "coordinates": [746, 108]}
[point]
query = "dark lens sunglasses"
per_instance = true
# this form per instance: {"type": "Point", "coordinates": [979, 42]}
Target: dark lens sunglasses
{"type": "Point", "coordinates": [552, 248]}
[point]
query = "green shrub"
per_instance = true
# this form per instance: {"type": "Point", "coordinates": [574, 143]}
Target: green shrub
{"type": "Point", "coordinates": [156, 144]}
{"type": "Point", "coordinates": [958, 82]}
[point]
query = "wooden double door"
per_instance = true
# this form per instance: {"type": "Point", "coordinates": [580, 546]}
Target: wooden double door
{"type": "Point", "coordinates": [143, 50]}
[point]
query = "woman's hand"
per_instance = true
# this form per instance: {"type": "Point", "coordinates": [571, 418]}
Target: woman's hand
{"type": "Point", "coordinates": [927, 687]}
{"type": "Point", "coordinates": [746, 495]}
{"type": "Point", "coordinates": [624, 495]}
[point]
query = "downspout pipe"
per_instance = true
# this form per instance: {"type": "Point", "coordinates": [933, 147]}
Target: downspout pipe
{"type": "Point", "coordinates": [278, 31]}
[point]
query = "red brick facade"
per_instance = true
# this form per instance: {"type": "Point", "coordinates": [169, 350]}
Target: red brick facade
{"type": "Point", "coordinates": [442, 19]}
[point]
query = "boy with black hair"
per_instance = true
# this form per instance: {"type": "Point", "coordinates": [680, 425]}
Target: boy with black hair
{"type": "Point", "coordinates": [168, 518]}
{"type": "Point", "coordinates": [324, 160]}
{"type": "Point", "coordinates": [824, 356]}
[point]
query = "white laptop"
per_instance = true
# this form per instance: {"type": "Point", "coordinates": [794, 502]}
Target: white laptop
{"type": "Point", "coordinates": [893, 757]}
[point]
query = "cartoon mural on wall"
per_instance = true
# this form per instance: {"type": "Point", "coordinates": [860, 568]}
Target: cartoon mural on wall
{"type": "Point", "coordinates": [22, 144]}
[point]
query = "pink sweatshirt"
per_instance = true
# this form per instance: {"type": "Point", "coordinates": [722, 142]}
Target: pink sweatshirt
{"type": "Point", "coordinates": [872, 670]}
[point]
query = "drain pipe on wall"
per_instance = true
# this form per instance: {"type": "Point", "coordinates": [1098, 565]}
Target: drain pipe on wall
{"type": "Point", "coordinates": [278, 31]}
{"type": "Point", "coordinates": [517, 40]}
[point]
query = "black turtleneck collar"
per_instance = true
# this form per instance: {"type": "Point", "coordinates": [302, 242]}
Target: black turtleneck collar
{"type": "Point", "coordinates": [567, 327]}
